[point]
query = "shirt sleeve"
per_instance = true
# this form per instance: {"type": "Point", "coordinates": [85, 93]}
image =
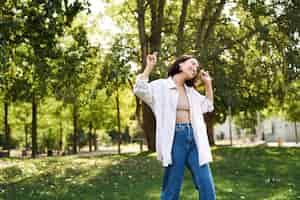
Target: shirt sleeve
{"type": "Point", "coordinates": [144, 90]}
{"type": "Point", "coordinates": [206, 104]}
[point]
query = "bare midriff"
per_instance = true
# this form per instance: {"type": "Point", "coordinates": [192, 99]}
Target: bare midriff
{"type": "Point", "coordinates": [183, 108]}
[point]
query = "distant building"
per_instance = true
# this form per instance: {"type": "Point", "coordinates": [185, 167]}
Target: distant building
{"type": "Point", "coordinates": [270, 130]}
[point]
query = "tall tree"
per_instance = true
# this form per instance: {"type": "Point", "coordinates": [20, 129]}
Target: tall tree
{"type": "Point", "coordinates": [150, 45]}
{"type": "Point", "coordinates": [115, 73]}
{"type": "Point", "coordinates": [247, 47]}
{"type": "Point", "coordinates": [43, 23]}
{"type": "Point", "coordinates": [73, 73]}
{"type": "Point", "coordinates": [10, 73]}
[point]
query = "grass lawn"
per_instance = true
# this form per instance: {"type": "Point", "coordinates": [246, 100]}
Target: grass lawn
{"type": "Point", "coordinates": [239, 173]}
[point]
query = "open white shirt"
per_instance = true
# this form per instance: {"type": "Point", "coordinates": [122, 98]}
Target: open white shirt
{"type": "Point", "coordinates": [162, 96]}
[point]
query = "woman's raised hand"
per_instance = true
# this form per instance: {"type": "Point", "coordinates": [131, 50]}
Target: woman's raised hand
{"type": "Point", "coordinates": [205, 77]}
{"type": "Point", "coordinates": [151, 60]}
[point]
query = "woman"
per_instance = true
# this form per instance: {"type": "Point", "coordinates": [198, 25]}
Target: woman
{"type": "Point", "coordinates": [181, 138]}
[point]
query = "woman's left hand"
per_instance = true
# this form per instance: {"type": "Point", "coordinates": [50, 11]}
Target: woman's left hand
{"type": "Point", "coordinates": [205, 77]}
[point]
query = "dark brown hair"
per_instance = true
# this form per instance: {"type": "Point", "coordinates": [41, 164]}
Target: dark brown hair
{"type": "Point", "coordinates": [175, 69]}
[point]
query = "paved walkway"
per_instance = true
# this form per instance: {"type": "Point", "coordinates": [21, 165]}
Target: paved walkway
{"type": "Point", "coordinates": [248, 143]}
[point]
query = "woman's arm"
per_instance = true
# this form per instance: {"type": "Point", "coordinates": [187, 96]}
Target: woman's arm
{"type": "Point", "coordinates": [209, 92]}
{"type": "Point", "coordinates": [207, 84]}
{"type": "Point", "coordinates": [151, 61]}
{"type": "Point", "coordinates": [142, 88]}
{"type": "Point", "coordinates": [207, 104]}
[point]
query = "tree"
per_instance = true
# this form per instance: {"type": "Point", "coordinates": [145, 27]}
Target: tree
{"type": "Point", "coordinates": [30, 32]}
{"type": "Point", "coordinates": [11, 75]}
{"type": "Point", "coordinates": [115, 74]}
{"type": "Point", "coordinates": [73, 73]}
{"type": "Point", "coordinates": [292, 105]}
{"type": "Point", "coordinates": [243, 54]}
{"type": "Point", "coordinates": [149, 42]}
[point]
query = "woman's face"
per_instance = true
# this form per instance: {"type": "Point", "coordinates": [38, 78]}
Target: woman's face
{"type": "Point", "coordinates": [189, 68]}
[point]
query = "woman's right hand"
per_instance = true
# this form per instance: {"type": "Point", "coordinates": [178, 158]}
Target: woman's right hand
{"type": "Point", "coordinates": [151, 61]}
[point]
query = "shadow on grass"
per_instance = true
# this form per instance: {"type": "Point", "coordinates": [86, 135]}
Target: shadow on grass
{"type": "Point", "coordinates": [239, 173]}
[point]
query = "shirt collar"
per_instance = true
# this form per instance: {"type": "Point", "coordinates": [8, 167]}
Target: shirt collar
{"type": "Point", "coordinates": [172, 85]}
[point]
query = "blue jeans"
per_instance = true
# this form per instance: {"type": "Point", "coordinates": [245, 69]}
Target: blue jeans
{"type": "Point", "coordinates": [185, 153]}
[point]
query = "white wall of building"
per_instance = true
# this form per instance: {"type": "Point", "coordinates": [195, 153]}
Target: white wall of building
{"type": "Point", "coordinates": [272, 127]}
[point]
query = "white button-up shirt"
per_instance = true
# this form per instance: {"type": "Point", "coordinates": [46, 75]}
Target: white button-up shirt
{"type": "Point", "coordinates": [162, 96]}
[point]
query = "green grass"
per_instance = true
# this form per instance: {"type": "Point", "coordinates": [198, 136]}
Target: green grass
{"type": "Point", "coordinates": [239, 173]}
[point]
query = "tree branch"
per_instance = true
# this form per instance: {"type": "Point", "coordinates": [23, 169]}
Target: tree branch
{"type": "Point", "coordinates": [213, 22]}
{"type": "Point", "coordinates": [180, 31]}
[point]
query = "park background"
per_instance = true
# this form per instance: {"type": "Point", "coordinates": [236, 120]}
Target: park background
{"type": "Point", "coordinates": [71, 127]}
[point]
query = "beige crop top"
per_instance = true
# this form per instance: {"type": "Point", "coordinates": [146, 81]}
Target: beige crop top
{"type": "Point", "coordinates": [183, 103]}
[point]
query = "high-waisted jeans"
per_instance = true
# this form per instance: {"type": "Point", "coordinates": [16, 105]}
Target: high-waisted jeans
{"type": "Point", "coordinates": [185, 153]}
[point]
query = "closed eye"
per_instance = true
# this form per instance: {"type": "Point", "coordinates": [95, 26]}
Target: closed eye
{"type": "Point", "coordinates": [194, 63]}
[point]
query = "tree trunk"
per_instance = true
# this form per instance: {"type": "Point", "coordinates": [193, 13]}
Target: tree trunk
{"type": "Point", "coordinates": [201, 26]}
{"type": "Point", "coordinates": [147, 121]}
{"type": "Point", "coordinates": [230, 123]}
{"type": "Point", "coordinates": [296, 133]}
{"type": "Point", "coordinates": [75, 128]}
{"type": "Point", "coordinates": [6, 128]}
{"type": "Point", "coordinates": [138, 110]}
{"type": "Point", "coordinates": [180, 31]}
{"type": "Point", "coordinates": [90, 136]}
{"type": "Point", "coordinates": [119, 121]}
{"type": "Point", "coordinates": [157, 21]}
{"type": "Point", "coordinates": [149, 124]}
{"type": "Point", "coordinates": [60, 137]}
{"type": "Point", "coordinates": [141, 8]}
{"type": "Point", "coordinates": [208, 117]}
{"type": "Point", "coordinates": [34, 126]}
{"type": "Point", "coordinates": [26, 136]}
{"type": "Point", "coordinates": [95, 140]}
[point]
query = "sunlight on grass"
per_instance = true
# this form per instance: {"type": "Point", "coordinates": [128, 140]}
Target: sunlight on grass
{"type": "Point", "coordinates": [239, 173]}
